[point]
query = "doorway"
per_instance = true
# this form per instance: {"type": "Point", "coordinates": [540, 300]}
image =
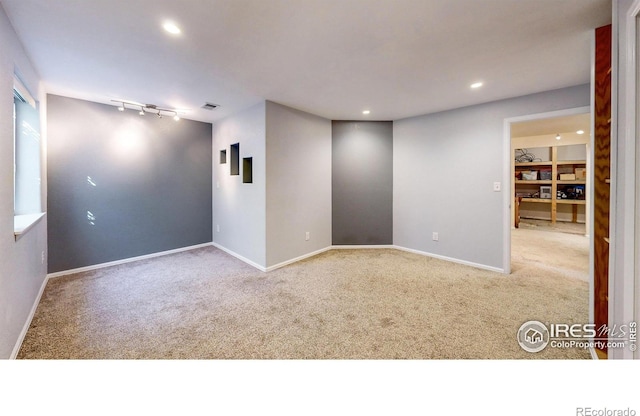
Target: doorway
{"type": "Point", "coordinates": [548, 160]}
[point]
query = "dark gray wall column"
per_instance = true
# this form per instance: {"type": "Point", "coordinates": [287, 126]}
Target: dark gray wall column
{"type": "Point", "coordinates": [122, 185]}
{"type": "Point", "coordinates": [362, 182]}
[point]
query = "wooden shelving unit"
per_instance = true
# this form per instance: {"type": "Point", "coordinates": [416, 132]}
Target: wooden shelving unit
{"type": "Point", "coordinates": [523, 186]}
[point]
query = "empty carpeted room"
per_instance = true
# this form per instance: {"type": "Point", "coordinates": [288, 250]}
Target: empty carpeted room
{"type": "Point", "coordinates": [309, 179]}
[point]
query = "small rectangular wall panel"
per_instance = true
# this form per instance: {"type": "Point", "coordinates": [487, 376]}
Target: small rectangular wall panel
{"type": "Point", "coordinates": [223, 157]}
{"type": "Point", "coordinates": [247, 170]}
{"type": "Point", "coordinates": [235, 159]}
{"type": "Point", "coordinates": [602, 172]}
{"type": "Point", "coordinates": [362, 182]}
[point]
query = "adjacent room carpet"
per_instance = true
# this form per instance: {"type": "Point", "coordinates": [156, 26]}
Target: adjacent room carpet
{"type": "Point", "coordinates": [342, 304]}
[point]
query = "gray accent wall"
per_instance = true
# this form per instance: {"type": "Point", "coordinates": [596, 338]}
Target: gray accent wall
{"type": "Point", "coordinates": [362, 182]}
{"type": "Point", "coordinates": [444, 166]}
{"type": "Point", "coordinates": [22, 268]}
{"type": "Point", "coordinates": [122, 185]}
{"type": "Point", "coordinates": [298, 183]}
{"type": "Point", "coordinates": [239, 209]}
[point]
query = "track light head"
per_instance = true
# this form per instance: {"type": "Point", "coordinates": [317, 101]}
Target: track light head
{"type": "Point", "coordinates": [141, 111]}
{"type": "Point", "coordinates": [121, 108]}
{"type": "Point", "coordinates": [176, 117]}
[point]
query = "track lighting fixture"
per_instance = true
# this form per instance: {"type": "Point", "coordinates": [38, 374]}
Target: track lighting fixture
{"type": "Point", "coordinates": [147, 108]}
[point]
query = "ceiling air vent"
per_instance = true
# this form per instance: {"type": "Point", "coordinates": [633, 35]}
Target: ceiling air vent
{"type": "Point", "coordinates": [209, 106]}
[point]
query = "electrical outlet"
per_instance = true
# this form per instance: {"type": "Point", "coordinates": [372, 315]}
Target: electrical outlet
{"type": "Point", "coordinates": [42, 257]}
{"type": "Point", "coordinates": [497, 186]}
{"type": "Point", "coordinates": [217, 185]}
{"type": "Point", "coordinates": [435, 236]}
{"type": "Point", "coordinates": [307, 236]}
{"type": "Point", "coordinates": [217, 228]}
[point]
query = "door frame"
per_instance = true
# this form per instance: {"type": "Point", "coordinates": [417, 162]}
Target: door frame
{"type": "Point", "coordinates": [624, 264]}
{"type": "Point", "coordinates": [507, 179]}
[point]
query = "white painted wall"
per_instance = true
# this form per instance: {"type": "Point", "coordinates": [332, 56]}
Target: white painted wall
{"type": "Point", "coordinates": [298, 183]}
{"type": "Point", "coordinates": [239, 209]}
{"type": "Point", "coordinates": [444, 168]}
{"type": "Point", "coordinates": [624, 273]}
{"type": "Point", "coordinates": [22, 273]}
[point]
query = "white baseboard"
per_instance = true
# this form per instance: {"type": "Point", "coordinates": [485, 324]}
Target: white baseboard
{"type": "Point", "coordinates": [359, 247]}
{"type": "Point", "coordinates": [27, 324]}
{"type": "Point", "coordinates": [127, 260]}
{"type": "Point", "coordinates": [297, 259]}
{"type": "Point", "coordinates": [239, 257]}
{"type": "Point", "coordinates": [451, 259]}
{"type": "Point", "coordinates": [356, 247]}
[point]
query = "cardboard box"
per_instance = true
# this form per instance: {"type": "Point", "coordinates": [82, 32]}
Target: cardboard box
{"type": "Point", "coordinates": [581, 173]}
{"type": "Point", "coordinates": [567, 176]}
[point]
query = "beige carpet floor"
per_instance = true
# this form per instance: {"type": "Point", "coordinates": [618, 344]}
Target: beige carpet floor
{"type": "Point", "coordinates": [342, 304]}
{"type": "Point", "coordinates": [538, 250]}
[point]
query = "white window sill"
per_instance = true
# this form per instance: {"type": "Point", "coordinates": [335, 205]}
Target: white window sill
{"type": "Point", "coordinates": [23, 223]}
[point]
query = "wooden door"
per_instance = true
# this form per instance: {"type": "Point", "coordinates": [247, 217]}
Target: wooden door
{"type": "Point", "coordinates": [602, 173]}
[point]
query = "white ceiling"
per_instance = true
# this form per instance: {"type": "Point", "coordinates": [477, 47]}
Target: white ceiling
{"type": "Point", "coordinates": [333, 58]}
{"type": "Point", "coordinates": [555, 125]}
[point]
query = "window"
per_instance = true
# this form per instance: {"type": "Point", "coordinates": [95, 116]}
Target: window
{"type": "Point", "coordinates": [26, 139]}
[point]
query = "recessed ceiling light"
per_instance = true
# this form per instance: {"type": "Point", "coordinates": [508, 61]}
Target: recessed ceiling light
{"type": "Point", "coordinates": [558, 137]}
{"type": "Point", "coordinates": [476, 85]}
{"type": "Point", "coordinates": [171, 28]}
{"type": "Point", "coordinates": [365, 112]}
{"type": "Point", "coordinates": [580, 132]}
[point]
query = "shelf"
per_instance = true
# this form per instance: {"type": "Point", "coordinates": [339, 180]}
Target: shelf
{"type": "Point", "coordinates": [537, 200]}
{"type": "Point", "coordinates": [533, 163]}
{"type": "Point", "coordinates": [536, 182]}
{"type": "Point", "coordinates": [571, 162]}
{"type": "Point", "coordinates": [551, 170]}
{"type": "Point", "coordinates": [235, 159]}
{"type": "Point", "coordinates": [571, 201]}
{"type": "Point", "coordinates": [606, 240]}
{"type": "Point", "coordinates": [607, 180]}
{"type": "Point", "coordinates": [558, 201]}
{"type": "Point", "coordinates": [247, 170]}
